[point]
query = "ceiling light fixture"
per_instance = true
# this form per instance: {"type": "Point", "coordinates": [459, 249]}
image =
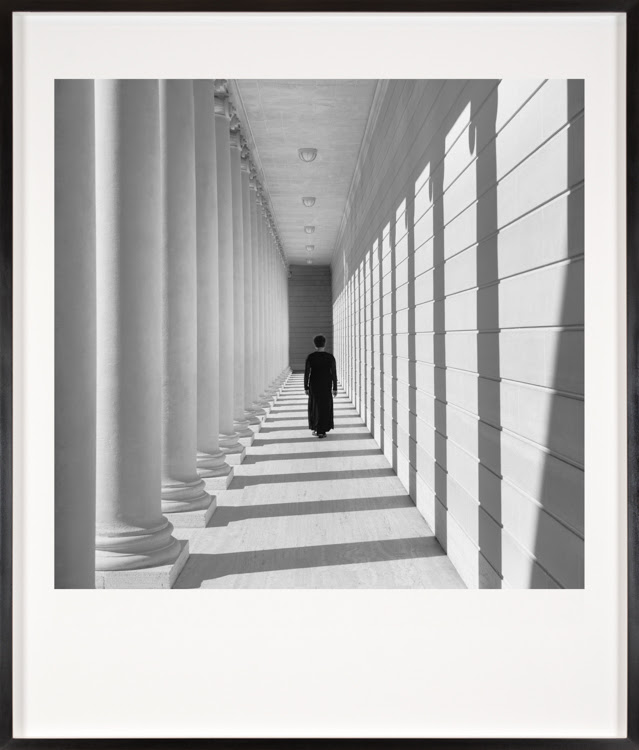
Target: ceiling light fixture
{"type": "Point", "coordinates": [309, 230]}
{"type": "Point", "coordinates": [310, 248]}
{"type": "Point", "coordinates": [308, 201]}
{"type": "Point", "coordinates": [307, 154]}
{"type": "Point", "coordinates": [310, 262]}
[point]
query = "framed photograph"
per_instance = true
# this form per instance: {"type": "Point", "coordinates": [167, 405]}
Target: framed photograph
{"type": "Point", "coordinates": [318, 371]}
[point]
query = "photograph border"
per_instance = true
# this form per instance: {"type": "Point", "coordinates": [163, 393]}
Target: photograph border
{"type": "Point", "coordinates": [631, 10]}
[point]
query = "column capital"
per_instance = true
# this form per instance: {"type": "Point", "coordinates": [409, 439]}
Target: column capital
{"type": "Point", "coordinates": [221, 87]}
{"type": "Point", "coordinates": [222, 107]}
{"type": "Point", "coordinates": [222, 102]}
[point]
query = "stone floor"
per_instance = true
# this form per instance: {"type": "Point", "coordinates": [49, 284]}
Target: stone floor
{"type": "Point", "coordinates": [308, 513]}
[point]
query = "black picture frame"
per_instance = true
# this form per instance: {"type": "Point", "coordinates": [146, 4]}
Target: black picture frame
{"type": "Point", "coordinates": [7, 7]}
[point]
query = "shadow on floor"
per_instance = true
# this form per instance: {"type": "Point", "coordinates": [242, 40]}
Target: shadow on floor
{"type": "Point", "coordinates": [298, 427]}
{"type": "Point", "coordinates": [200, 568]}
{"type": "Point", "coordinates": [225, 514]}
{"type": "Point", "coordinates": [290, 411]}
{"type": "Point", "coordinates": [296, 419]}
{"type": "Point", "coordinates": [304, 411]}
{"type": "Point", "coordinates": [311, 454]}
{"type": "Point", "coordinates": [239, 482]}
{"type": "Point", "coordinates": [335, 437]}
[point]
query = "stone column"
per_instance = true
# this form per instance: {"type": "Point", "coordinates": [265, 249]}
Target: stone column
{"type": "Point", "coordinates": [249, 300]}
{"type": "Point", "coordinates": [283, 282]}
{"type": "Point", "coordinates": [273, 376]}
{"type": "Point", "coordinates": [269, 307]}
{"type": "Point", "coordinates": [211, 464]}
{"type": "Point", "coordinates": [256, 380]}
{"type": "Point", "coordinates": [131, 532]}
{"type": "Point", "coordinates": [270, 316]}
{"type": "Point", "coordinates": [75, 335]}
{"type": "Point", "coordinates": [268, 301]}
{"type": "Point", "coordinates": [262, 398]}
{"type": "Point", "coordinates": [183, 493]}
{"type": "Point", "coordinates": [267, 392]}
{"type": "Point", "coordinates": [232, 449]}
{"type": "Point", "coordinates": [279, 362]}
{"type": "Point", "coordinates": [240, 422]}
{"type": "Point", "coordinates": [285, 330]}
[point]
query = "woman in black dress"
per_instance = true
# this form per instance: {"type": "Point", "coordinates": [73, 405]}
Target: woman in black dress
{"type": "Point", "coordinates": [320, 374]}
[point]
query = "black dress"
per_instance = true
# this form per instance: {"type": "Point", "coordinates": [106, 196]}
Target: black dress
{"type": "Point", "coordinates": [320, 378]}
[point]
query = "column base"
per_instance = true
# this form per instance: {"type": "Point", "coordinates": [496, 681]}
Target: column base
{"type": "Point", "coordinates": [193, 519]}
{"type": "Point", "coordinates": [234, 456]}
{"type": "Point", "coordinates": [135, 548]}
{"type": "Point", "coordinates": [251, 417]}
{"type": "Point", "coordinates": [184, 497]}
{"type": "Point", "coordinates": [212, 464]}
{"type": "Point", "coordinates": [220, 482]}
{"type": "Point", "coordinates": [245, 435]}
{"type": "Point", "coordinates": [232, 449]}
{"type": "Point", "coordinates": [242, 428]}
{"type": "Point", "coordinates": [159, 577]}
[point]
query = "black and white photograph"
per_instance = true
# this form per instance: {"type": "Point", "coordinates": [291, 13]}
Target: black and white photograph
{"type": "Point", "coordinates": [319, 333]}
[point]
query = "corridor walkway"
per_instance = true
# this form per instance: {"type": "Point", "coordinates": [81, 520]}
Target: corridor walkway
{"type": "Point", "coordinates": [308, 513]}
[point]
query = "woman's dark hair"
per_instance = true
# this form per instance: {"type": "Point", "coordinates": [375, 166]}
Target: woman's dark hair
{"type": "Point", "coordinates": [319, 341]}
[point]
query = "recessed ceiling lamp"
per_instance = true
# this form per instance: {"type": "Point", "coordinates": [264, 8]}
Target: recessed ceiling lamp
{"type": "Point", "coordinates": [310, 248]}
{"type": "Point", "coordinates": [308, 201]}
{"type": "Point", "coordinates": [309, 230]}
{"type": "Point", "coordinates": [307, 154]}
{"type": "Point", "coordinates": [310, 262]}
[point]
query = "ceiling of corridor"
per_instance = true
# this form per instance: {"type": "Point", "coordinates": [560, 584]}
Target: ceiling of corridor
{"type": "Point", "coordinates": [285, 115]}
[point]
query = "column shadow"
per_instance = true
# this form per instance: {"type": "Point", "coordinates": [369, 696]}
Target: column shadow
{"type": "Point", "coordinates": [482, 133]}
{"type": "Point", "coordinates": [373, 348]}
{"type": "Point", "coordinates": [392, 239]}
{"type": "Point", "coordinates": [381, 347]}
{"type": "Point", "coordinates": [567, 569]}
{"type": "Point", "coordinates": [258, 459]}
{"type": "Point", "coordinates": [331, 437]}
{"type": "Point", "coordinates": [411, 350]}
{"type": "Point", "coordinates": [436, 194]}
{"type": "Point", "coordinates": [200, 568]}
{"type": "Point", "coordinates": [226, 514]}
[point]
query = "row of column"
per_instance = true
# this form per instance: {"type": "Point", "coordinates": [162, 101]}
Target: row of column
{"type": "Point", "coordinates": [171, 316]}
{"type": "Point", "coordinates": [359, 334]}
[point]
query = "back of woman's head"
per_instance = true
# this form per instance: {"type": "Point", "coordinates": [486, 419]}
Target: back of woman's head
{"type": "Point", "coordinates": [319, 341]}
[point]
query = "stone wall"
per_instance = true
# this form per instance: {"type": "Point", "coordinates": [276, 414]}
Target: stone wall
{"type": "Point", "coordinates": [310, 311]}
{"type": "Point", "coordinates": [458, 302]}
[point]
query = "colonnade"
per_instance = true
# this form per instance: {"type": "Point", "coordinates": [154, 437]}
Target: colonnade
{"type": "Point", "coordinates": [171, 320]}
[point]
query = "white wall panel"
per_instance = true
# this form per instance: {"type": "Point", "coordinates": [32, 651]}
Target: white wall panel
{"type": "Point", "coordinates": [458, 301]}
